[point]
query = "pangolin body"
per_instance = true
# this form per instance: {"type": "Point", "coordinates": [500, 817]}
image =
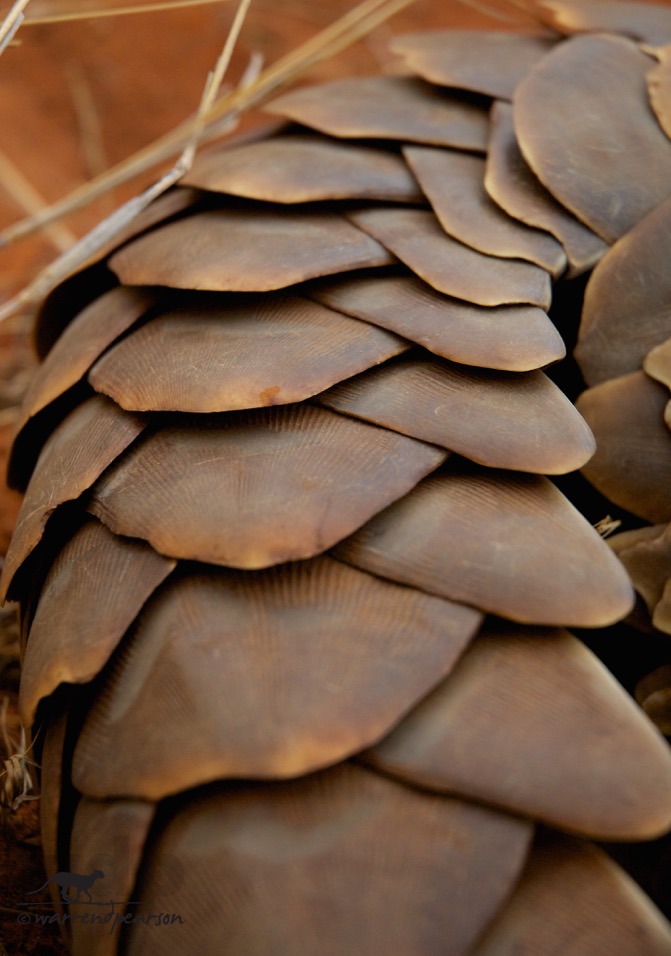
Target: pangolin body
{"type": "Point", "coordinates": [296, 584]}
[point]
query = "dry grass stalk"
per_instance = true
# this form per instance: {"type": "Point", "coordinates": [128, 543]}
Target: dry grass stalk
{"type": "Point", "coordinates": [480, 6]}
{"type": "Point", "coordinates": [16, 778]}
{"type": "Point", "coordinates": [607, 526]}
{"type": "Point", "coordinates": [12, 22]}
{"type": "Point", "coordinates": [62, 11]}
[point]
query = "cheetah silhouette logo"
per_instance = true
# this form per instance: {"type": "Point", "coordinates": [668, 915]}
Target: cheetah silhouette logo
{"type": "Point", "coordinates": [81, 882]}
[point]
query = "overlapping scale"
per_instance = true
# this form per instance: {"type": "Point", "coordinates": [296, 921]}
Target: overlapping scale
{"type": "Point", "coordinates": [108, 837]}
{"type": "Point", "coordinates": [624, 354]}
{"type": "Point", "coordinates": [572, 896]}
{"type": "Point", "coordinates": [583, 130]}
{"type": "Point", "coordinates": [246, 250]}
{"type": "Point", "coordinates": [515, 338]}
{"type": "Point", "coordinates": [66, 301]}
{"type": "Point", "coordinates": [254, 489]}
{"type": "Point", "coordinates": [218, 353]}
{"type": "Point", "coordinates": [81, 288]}
{"type": "Point", "coordinates": [632, 464]}
{"type": "Point", "coordinates": [325, 861]}
{"type": "Point", "coordinates": [480, 61]}
{"type": "Point", "coordinates": [653, 693]}
{"type": "Point", "coordinates": [643, 21]}
{"type": "Point", "coordinates": [497, 730]}
{"type": "Point", "coordinates": [168, 206]}
{"type": "Point", "coordinates": [80, 614]}
{"type": "Point", "coordinates": [75, 455]}
{"type": "Point", "coordinates": [454, 183]}
{"type": "Point", "coordinates": [387, 107]}
{"type": "Point", "coordinates": [512, 185]}
{"type": "Point", "coordinates": [657, 364]}
{"type": "Point", "coordinates": [499, 419]}
{"type": "Point", "coordinates": [646, 554]}
{"type": "Point", "coordinates": [50, 395]}
{"type": "Point", "coordinates": [81, 343]}
{"type": "Point", "coordinates": [497, 541]}
{"type": "Point", "coordinates": [211, 643]}
{"type": "Point", "coordinates": [661, 618]}
{"type": "Point", "coordinates": [300, 168]}
{"type": "Point", "coordinates": [659, 87]}
{"type": "Point", "coordinates": [53, 781]}
{"type": "Point", "coordinates": [417, 239]}
{"type": "Point", "coordinates": [627, 308]}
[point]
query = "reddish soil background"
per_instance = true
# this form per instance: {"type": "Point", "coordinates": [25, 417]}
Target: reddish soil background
{"type": "Point", "coordinates": [76, 98]}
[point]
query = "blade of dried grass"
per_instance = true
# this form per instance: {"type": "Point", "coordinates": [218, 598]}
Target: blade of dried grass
{"type": "Point", "coordinates": [15, 775]}
{"type": "Point", "coordinates": [12, 22]}
{"type": "Point", "coordinates": [341, 34]}
{"type": "Point", "coordinates": [480, 7]}
{"type": "Point", "coordinates": [530, 8]}
{"type": "Point", "coordinates": [345, 31]}
{"type": "Point", "coordinates": [53, 11]}
{"type": "Point", "coordinates": [213, 85]}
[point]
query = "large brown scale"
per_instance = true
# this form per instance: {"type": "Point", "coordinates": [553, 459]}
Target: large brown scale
{"type": "Point", "coordinates": [295, 582]}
